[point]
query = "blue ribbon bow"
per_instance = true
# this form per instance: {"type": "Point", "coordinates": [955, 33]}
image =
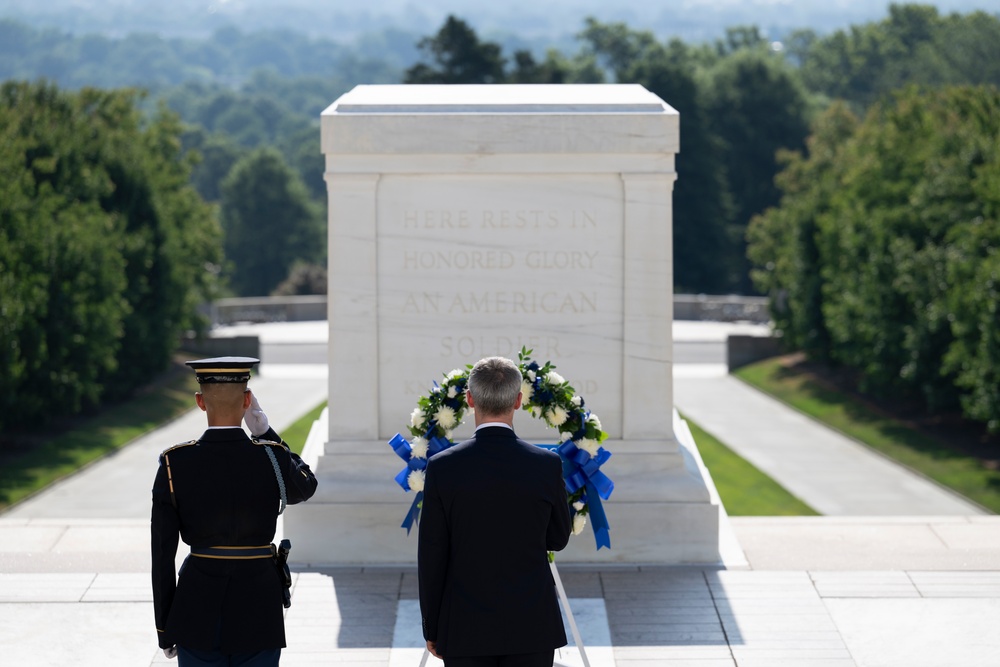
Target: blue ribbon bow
{"type": "Point", "coordinates": [584, 471]}
{"type": "Point", "coordinates": [404, 450]}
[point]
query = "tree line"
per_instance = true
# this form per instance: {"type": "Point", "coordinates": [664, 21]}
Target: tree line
{"type": "Point", "coordinates": [206, 187]}
{"type": "Point", "coordinates": [884, 253]}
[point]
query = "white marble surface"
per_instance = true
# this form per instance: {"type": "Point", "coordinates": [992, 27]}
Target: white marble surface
{"type": "Point", "coordinates": [475, 266]}
{"type": "Point", "coordinates": [471, 221]}
{"type": "Point", "coordinates": [483, 121]}
{"type": "Point", "coordinates": [918, 632]}
{"type": "Point", "coordinates": [591, 619]}
{"type": "Point", "coordinates": [433, 266]}
{"type": "Point", "coordinates": [556, 98]}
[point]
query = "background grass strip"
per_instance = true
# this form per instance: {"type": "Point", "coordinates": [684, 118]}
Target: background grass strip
{"type": "Point", "coordinates": [296, 434]}
{"type": "Point", "coordinates": [37, 462]}
{"type": "Point", "coordinates": [744, 490]}
{"type": "Point", "coordinates": [947, 465]}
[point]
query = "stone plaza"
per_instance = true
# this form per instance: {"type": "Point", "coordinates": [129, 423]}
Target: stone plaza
{"type": "Point", "coordinates": [859, 589]}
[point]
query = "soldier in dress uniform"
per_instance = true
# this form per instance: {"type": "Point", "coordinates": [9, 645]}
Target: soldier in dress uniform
{"type": "Point", "coordinates": [222, 494]}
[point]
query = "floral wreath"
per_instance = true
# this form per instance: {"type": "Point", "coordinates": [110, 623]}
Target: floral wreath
{"type": "Point", "coordinates": [546, 395]}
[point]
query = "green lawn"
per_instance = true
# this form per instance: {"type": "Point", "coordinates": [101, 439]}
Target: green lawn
{"type": "Point", "coordinates": [296, 434]}
{"type": "Point", "coordinates": [918, 451]}
{"type": "Point", "coordinates": [34, 466]}
{"type": "Point", "coordinates": [745, 490]}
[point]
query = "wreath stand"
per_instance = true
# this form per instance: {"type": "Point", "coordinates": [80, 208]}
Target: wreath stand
{"type": "Point", "coordinates": [569, 617]}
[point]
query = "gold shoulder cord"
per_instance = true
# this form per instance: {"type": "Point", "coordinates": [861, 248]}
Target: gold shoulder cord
{"type": "Point", "coordinates": [170, 481]}
{"type": "Point", "coordinates": [170, 476]}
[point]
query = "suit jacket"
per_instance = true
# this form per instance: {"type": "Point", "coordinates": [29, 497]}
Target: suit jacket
{"type": "Point", "coordinates": [225, 493]}
{"type": "Point", "coordinates": [493, 507]}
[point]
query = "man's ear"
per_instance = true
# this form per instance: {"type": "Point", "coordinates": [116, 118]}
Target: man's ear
{"type": "Point", "coordinates": [469, 400]}
{"type": "Point", "coordinates": [199, 398]}
{"type": "Point", "coordinates": [247, 399]}
{"type": "Point", "coordinates": [517, 403]}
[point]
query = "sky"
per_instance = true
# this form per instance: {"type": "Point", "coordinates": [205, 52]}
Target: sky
{"type": "Point", "coordinates": [554, 21]}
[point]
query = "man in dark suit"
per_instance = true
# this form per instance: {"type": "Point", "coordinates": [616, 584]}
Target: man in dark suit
{"type": "Point", "coordinates": [493, 507]}
{"type": "Point", "coordinates": [222, 494]}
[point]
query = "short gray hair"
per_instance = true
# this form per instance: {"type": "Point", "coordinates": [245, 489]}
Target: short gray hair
{"type": "Point", "coordinates": [494, 383]}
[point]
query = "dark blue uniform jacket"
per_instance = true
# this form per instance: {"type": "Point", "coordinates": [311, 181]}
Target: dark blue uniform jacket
{"type": "Point", "coordinates": [225, 493]}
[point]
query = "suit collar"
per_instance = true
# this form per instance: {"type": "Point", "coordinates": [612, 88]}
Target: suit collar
{"type": "Point", "coordinates": [495, 432]}
{"type": "Point", "coordinates": [492, 424]}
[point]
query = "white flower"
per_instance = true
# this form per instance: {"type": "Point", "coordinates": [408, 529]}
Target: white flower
{"type": "Point", "coordinates": [557, 416]}
{"type": "Point", "coordinates": [577, 401]}
{"type": "Point", "coordinates": [527, 391]}
{"type": "Point", "coordinates": [579, 521]}
{"type": "Point", "coordinates": [590, 446]}
{"type": "Point", "coordinates": [531, 375]}
{"type": "Point", "coordinates": [452, 392]}
{"type": "Point", "coordinates": [595, 421]}
{"type": "Point", "coordinates": [447, 434]}
{"type": "Point", "coordinates": [578, 506]}
{"type": "Point", "coordinates": [418, 448]}
{"type": "Point", "coordinates": [416, 480]}
{"type": "Point", "coordinates": [554, 378]}
{"type": "Point", "coordinates": [565, 435]}
{"type": "Point", "coordinates": [417, 417]}
{"type": "Point", "coordinates": [435, 389]}
{"type": "Point", "coordinates": [455, 374]}
{"type": "Point", "coordinates": [445, 417]}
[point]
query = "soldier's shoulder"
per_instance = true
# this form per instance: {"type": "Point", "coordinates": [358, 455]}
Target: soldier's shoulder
{"type": "Point", "coordinates": [179, 446]}
{"type": "Point", "coordinates": [268, 443]}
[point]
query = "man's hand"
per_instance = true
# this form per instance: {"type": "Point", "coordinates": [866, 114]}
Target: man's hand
{"type": "Point", "coordinates": [432, 648]}
{"type": "Point", "coordinates": [171, 652]}
{"type": "Point", "coordinates": [255, 418]}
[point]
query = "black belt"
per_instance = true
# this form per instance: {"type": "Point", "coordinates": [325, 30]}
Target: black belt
{"type": "Point", "coordinates": [233, 553]}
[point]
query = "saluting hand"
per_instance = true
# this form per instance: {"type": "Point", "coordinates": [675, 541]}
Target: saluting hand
{"type": "Point", "coordinates": [255, 418]}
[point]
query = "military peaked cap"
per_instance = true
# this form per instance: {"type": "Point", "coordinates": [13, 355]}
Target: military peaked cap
{"type": "Point", "coordinates": [223, 369]}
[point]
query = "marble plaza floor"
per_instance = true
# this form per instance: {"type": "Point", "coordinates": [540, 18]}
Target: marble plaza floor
{"type": "Point", "coordinates": [819, 591]}
{"type": "Point", "coordinates": [870, 587]}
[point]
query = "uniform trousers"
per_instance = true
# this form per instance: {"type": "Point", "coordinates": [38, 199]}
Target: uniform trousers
{"type": "Point", "coordinates": [188, 657]}
{"type": "Point", "coordinates": [541, 659]}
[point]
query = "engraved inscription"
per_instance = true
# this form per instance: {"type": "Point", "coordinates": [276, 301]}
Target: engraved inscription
{"type": "Point", "coordinates": [560, 259]}
{"type": "Point", "coordinates": [500, 303]}
{"type": "Point", "coordinates": [498, 219]}
{"type": "Point", "coordinates": [544, 260]}
{"type": "Point", "coordinates": [457, 259]}
{"type": "Point", "coordinates": [476, 347]}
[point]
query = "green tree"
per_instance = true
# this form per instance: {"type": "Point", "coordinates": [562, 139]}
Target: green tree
{"type": "Point", "coordinates": [103, 246]}
{"type": "Point", "coordinates": [783, 242]}
{"type": "Point", "coordinates": [757, 107]}
{"type": "Point", "coordinates": [268, 223]}
{"type": "Point", "coordinates": [704, 256]}
{"type": "Point", "coordinates": [457, 56]}
{"type": "Point", "coordinates": [887, 243]}
{"type": "Point", "coordinates": [913, 45]}
{"type": "Point", "coordinates": [215, 156]}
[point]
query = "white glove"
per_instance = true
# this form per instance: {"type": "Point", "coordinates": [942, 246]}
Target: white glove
{"type": "Point", "coordinates": [255, 418]}
{"type": "Point", "coordinates": [171, 652]}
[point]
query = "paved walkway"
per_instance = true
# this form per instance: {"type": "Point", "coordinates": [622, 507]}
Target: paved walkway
{"type": "Point", "coordinates": [830, 472]}
{"type": "Point", "coordinates": [824, 591]}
